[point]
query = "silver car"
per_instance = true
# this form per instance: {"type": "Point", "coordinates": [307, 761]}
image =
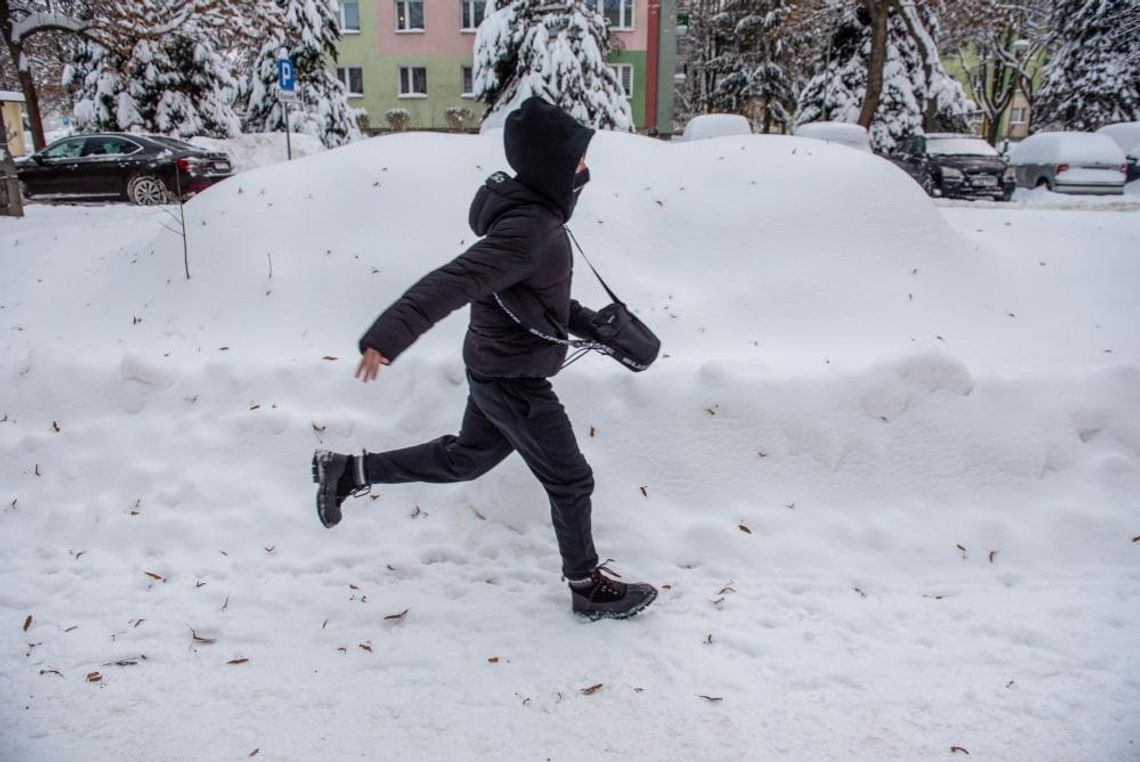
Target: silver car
{"type": "Point", "coordinates": [1070, 162]}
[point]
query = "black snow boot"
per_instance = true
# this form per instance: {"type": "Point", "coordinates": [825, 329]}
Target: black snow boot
{"type": "Point", "coordinates": [337, 476]}
{"type": "Point", "coordinates": [601, 597]}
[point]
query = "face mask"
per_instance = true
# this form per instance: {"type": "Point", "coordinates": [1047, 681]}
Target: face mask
{"type": "Point", "coordinates": [581, 179]}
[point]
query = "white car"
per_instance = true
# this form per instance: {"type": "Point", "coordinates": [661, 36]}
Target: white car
{"type": "Point", "coordinates": [1127, 136]}
{"type": "Point", "coordinates": [845, 133]}
{"type": "Point", "coordinates": [1070, 162]}
{"type": "Point", "coordinates": [708, 126]}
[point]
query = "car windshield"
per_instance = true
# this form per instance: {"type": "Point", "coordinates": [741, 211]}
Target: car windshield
{"type": "Point", "coordinates": [959, 147]}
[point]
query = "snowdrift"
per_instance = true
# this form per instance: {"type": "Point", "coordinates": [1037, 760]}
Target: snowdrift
{"type": "Point", "coordinates": [879, 465]}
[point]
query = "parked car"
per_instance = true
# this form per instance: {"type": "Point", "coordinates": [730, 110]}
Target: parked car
{"type": "Point", "coordinates": [1127, 136]}
{"type": "Point", "coordinates": [715, 126]}
{"type": "Point", "coordinates": [1070, 162]}
{"type": "Point", "coordinates": [144, 169]}
{"type": "Point", "coordinates": [952, 164]}
{"type": "Point", "coordinates": [845, 133]}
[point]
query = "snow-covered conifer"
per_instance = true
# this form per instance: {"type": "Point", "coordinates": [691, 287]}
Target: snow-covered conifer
{"type": "Point", "coordinates": [307, 35]}
{"type": "Point", "coordinates": [554, 50]}
{"type": "Point", "coordinates": [751, 66]}
{"type": "Point", "coordinates": [917, 93]}
{"type": "Point", "coordinates": [1092, 77]}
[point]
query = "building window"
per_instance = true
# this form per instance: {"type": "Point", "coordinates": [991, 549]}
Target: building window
{"type": "Point", "coordinates": [1017, 115]}
{"type": "Point", "coordinates": [352, 77]}
{"type": "Point", "coordinates": [413, 81]}
{"type": "Point", "coordinates": [350, 15]}
{"type": "Point", "coordinates": [618, 13]}
{"type": "Point", "coordinates": [468, 82]}
{"type": "Point", "coordinates": [472, 11]}
{"type": "Point", "coordinates": [409, 15]}
{"type": "Point", "coordinates": [624, 74]}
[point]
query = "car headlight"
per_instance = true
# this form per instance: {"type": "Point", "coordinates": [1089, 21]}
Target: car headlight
{"type": "Point", "coordinates": [1009, 174]}
{"type": "Point", "coordinates": [950, 173]}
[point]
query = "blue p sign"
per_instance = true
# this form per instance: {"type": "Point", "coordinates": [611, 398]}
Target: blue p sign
{"type": "Point", "coordinates": [286, 78]}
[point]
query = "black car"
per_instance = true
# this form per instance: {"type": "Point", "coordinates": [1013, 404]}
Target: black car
{"type": "Point", "coordinates": [950, 164]}
{"type": "Point", "coordinates": [144, 169]}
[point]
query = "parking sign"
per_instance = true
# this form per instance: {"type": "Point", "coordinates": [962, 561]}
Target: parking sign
{"type": "Point", "coordinates": [286, 77]}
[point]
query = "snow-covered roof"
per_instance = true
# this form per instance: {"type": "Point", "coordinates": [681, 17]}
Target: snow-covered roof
{"type": "Point", "coordinates": [10, 96]}
{"type": "Point", "coordinates": [715, 126]}
{"type": "Point", "coordinates": [844, 133]}
{"type": "Point", "coordinates": [1126, 134]}
{"type": "Point", "coordinates": [945, 135]}
{"type": "Point", "coordinates": [1067, 148]}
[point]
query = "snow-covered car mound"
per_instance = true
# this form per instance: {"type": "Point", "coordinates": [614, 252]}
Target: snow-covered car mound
{"type": "Point", "coordinates": [746, 247]}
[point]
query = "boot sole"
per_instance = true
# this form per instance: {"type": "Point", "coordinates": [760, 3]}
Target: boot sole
{"type": "Point", "coordinates": [318, 479]}
{"type": "Point", "coordinates": [594, 616]}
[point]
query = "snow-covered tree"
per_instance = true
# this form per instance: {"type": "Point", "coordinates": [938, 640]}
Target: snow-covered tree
{"type": "Point", "coordinates": [115, 25]}
{"type": "Point", "coordinates": [998, 46]}
{"type": "Point", "coordinates": [555, 50]}
{"type": "Point", "coordinates": [916, 94]}
{"type": "Point", "coordinates": [751, 64]}
{"type": "Point", "coordinates": [1092, 77]}
{"type": "Point", "coordinates": [307, 33]}
{"type": "Point", "coordinates": [176, 85]}
{"type": "Point", "coordinates": [95, 80]}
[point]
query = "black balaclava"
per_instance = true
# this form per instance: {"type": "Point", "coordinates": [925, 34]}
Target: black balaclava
{"type": "Point", "coordinates": [544, 145]}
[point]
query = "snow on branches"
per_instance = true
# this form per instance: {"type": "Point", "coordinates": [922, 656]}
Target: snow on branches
{"type": "Point", "coordinates": [554, 50]}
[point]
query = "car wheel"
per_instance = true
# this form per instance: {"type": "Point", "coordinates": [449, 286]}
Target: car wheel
{"type": "Point", "coordinates": [928, 185]}
{"type": "Point", "coordinates": [147, 190]}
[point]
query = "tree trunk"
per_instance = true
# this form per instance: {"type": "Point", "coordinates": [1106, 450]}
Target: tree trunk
{"type": "Point", "coordinates": [27, 84]}
{"type": "Point", "coordinates": [878, 10]}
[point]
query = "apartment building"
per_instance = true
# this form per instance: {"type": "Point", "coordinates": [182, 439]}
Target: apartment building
{"type": "Point", "coordinates": [418, 55]}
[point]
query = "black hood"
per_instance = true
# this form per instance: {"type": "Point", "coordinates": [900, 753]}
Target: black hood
{"type": "Point", "coordinates": [499, 195]}
{"type": "Point", "coordinates": [543, 145]}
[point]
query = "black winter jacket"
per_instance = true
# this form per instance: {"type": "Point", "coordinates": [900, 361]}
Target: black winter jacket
{"type": "Point", "coordinates": [525, 257]}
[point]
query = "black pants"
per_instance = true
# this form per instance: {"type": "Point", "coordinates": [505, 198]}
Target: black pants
{"type": "Point", "coordinates": [504, 415]}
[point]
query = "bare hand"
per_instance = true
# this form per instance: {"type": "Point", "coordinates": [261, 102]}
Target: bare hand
{"type": "Point", "coordinates": [369, 367]}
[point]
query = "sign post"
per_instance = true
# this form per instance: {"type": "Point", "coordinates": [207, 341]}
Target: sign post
{"type": "Point", "coordinates": [286, 94]}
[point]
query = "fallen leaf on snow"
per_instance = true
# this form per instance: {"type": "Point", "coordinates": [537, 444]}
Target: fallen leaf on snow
{"type": "Point", "coordinates": [27, 622]}
{"type": "Point", "coordinates": [493, 660]}
{"type": "Point", "coordinates": [591, 690]}
{"type": "Point", "coordinates": [744, 529]}
{"type": "Point", "coordinates": [330, 358]}
{"type": "Point", "coordinates": [51, 672]}
{"type": "Point", "coordinates": [238, 660]}
{"type": "Point", "coordinates": [711, 699]}
{"type": "Point", "coordinates": [200, 639]}
{"type": "Point", "coordinates": [958, 749]}
{"type": "Point", "coordinates": [645, 491]}
{"type": "Point", "coordinates": [366, 646]}
{"type": "Point", "coordinates": [401, 615]}
{"type": "Point", "coordinates": [94, 677]}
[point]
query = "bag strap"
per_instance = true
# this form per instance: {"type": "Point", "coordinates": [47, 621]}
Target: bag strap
{"type": "Point", "coordinates": [582, 345]}
{"type": "Point", "coordinates": [578, 246]}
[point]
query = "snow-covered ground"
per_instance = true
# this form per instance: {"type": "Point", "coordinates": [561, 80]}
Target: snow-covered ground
{"type": "Point", "coordinates": [885, 475]}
